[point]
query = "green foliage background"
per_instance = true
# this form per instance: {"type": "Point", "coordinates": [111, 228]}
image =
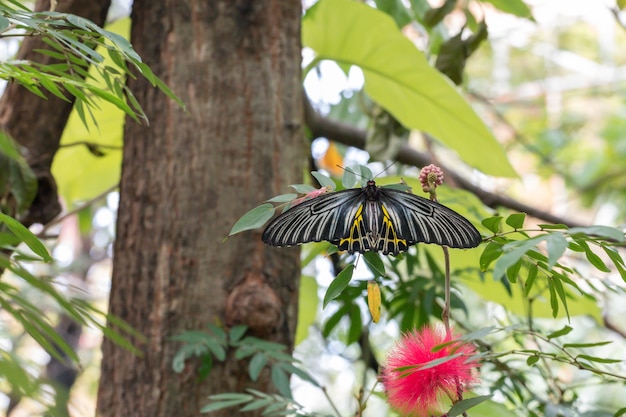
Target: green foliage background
{"type": "Point", "coordinates": [533, 297]}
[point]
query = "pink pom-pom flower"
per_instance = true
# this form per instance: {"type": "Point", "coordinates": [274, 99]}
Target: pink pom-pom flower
{"type": "Point", "coordinates": [416, 392]}
{"type": "Point", "coordinates": [430, 177]}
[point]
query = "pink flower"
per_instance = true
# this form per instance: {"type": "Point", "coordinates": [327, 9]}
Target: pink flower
{"type": "Point", "coordinates": [430, 177]}
{"type": "Point", "coordinates": [416, 392]}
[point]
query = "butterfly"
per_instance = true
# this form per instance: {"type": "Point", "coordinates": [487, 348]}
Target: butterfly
{"type": "Point", "coordinates": [372, 218]}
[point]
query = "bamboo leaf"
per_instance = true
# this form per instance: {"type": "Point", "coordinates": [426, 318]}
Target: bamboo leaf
{"type": "Point", "coordinates": [26, 236]}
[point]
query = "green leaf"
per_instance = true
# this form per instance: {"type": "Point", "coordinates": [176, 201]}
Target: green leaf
{"type": "Point", "coordinates": [281, 381]}
{"type": "Point", "coordinates": [530, 280]}
{"type": "Point", "coordinates": [4, 23]}
{"type": "Point", "coordinates": [253, 219]}
{"type": "Point", "coordinates": [399, 78]}
{"type": "Point", "coordinates": [510, 258]}
{"type": "Point", "coordinates": [26, 236]}
{"type": "Point", "coordinates": [217, 333]}
{"type": "Point", "coordinates": [16, 177]}
{"type": "Point", "coordinates": [257, 363]}
{"type": "Point", "coordinates": [348, 180]}
{"type": "Point", "coordinates": [531, 360]}
{"type": "Point", "coordinates": [216, 349]}
{"type": "Point", "coordinates": [205, 367]}
{"type": "Point", "coordinates": [334, 320]}
{"type": "Point", "coordinates": [323, 180]}
{"type": "Point", "coordinates": [219, 405]}
{"type": "Point", "coordinates": [492, 251]}
{"type": "Point", "coordinates": [492, 223]}
{"type": "Point", "coordinates": [462, 406]}
{"type": "Point", "coordinates": [192, 336]}
{"type": "Point", "coordinates": [606, 232]}
{"type": "Point", "coordinates": [305, 376]}
{"type": "Point", "coordinates": [366, 173]}
{"type": "Point", "coordinates": [339, 284]}
{"type": "Point", "coordinates": [558, 286]}
{"type": "Point", "coordinates": [395, 9]}
{"type": "Point", "coordinates": [303, 188]}
{"type": "Point", "coordinates": [515, 7]}
{"type": "Point", "coordinates": [599, 360]}
{"type": "Point", "coordinates": [256, 404]}
{"type": "Point", "coordinates": [586, 345]}
{"type": "Point", "coordinates": [553, 226]}
{"type": "Point", "coordinates": [374, 264]}
{"type": "Point", "coordinates": [622, 411]}
{"type": "Point", "coordinates": [226, 396]}
{"type": "Point", "coordinates": [356, 325]}
{"type": "Point", "coordinates": [479, 334]}
{"type": "Point", "coordinates": [283, 198]}
{"type": "Point", "coordinates": [618, 261]}
{"type": "Point", "coordinates": [236, 333]}
{"type": "Point", "coordinates": [594, 259]}
{"type": "Point", "coordinates": [516, 220]}
{"type": "Point", "coordinates": [554, 302]}
{"type": "Point", "coordinates": [565, 330]}
{"type": "Point", "coordinates": [435, 15]}
{"type": "Point", "coordinates": [7, 147]}
{"type": "Point", "coordinates": [178, 363]}
{"type": "Point", "coordinates": [513, 271]}
{"type": "Point", "coordinates": [557, 244]}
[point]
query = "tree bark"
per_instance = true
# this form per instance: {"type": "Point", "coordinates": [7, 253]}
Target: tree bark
{"type": "Point", "coordinates": [185, 181]}
{"type": "Point", "coordinates": [36, 124]}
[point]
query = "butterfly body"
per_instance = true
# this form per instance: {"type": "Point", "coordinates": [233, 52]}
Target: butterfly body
{"type": "Point", "coordinates": [371, 219]}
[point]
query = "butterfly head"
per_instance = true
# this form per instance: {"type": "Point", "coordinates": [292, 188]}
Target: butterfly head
{"type": "Point", "coordinates": [371, 191]}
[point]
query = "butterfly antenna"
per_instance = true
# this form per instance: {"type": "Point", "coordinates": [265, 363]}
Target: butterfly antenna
{"type": "Point", "coordinates": [351, 170]}
{"type": "Point", "coordinates": [385, 170]}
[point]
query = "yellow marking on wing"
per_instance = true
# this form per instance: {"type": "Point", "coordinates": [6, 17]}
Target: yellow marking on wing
{"type": "Point", "coordinates": [355, 232]}
{"type": "Point", "coordinates": [389, 234]}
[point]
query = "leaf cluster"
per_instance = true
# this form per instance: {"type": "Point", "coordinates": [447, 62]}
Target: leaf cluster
{"type": "Point", "coordinates": [75, 44]}
{"type": "Point", "coordinates": [19, 247]}
{"type": "Point", "coordinates": [536, 261]}
{"type": "Point", "coordinates": [215, 344]}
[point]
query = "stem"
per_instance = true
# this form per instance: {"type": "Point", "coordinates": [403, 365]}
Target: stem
{"type": "Point", "coordinates": [76, 210]}
{"type": "Point", "coordinates": [91, 144]}
{"type": "Point", "coordinates": [330, 401]}
{"type": "Point", "coordinates": [445, 316]}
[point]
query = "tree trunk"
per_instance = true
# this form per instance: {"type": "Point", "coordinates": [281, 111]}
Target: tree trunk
{"type": "Point", "coordinates": [185, 181]}
{"type": "Point", "coordinates": [36, 124]}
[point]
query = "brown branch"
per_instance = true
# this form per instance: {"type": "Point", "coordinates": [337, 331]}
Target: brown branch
{"type": "Point", "coordinates": [348, 135]}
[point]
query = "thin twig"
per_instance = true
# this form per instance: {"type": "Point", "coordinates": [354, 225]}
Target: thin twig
{"type": "Point", "coordinates": [330, 401]}
{"type": "Point", "coordinates": [90, 144]}
{"type": "Point", "coordinates": [75, 210]}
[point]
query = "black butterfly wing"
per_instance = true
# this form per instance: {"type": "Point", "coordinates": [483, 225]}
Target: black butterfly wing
{"type": "Point", "coordinates": [417, 219]}
{"type": "Point", "coordinates": [327, 217]}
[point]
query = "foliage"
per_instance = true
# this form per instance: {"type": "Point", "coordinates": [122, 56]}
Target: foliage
{"type": "Point", "coordinates": [537, 359]}
{"type": "Point", "coordinates": [19, 289]}
{"type": "Point", "coordinates": [216, 344]}
{"type": "Point", "coordinates": [73, 41]}
{"type": "Point", "coordinates": [535, 259]}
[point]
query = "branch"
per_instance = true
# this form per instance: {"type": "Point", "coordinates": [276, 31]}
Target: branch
{"type": "Point", "coordinates": [348, 135]}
